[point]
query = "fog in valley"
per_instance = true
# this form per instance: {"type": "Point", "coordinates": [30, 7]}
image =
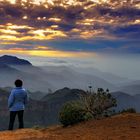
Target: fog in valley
{"type": "Point", "coordinates": [102, 71]}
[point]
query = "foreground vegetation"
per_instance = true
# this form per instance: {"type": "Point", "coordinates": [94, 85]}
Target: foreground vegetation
{"type": "Point", "coordinates": [91, 105]}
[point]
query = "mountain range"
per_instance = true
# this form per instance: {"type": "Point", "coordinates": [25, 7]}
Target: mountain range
{"type": "Point", "coordinates": [47, 78]}
{"type": "Point", "coordinates": [125, 101]}
{"type": "Point", "coordinates": [45, 111]}
{"type": "Point", "coordinates": [42, 79]}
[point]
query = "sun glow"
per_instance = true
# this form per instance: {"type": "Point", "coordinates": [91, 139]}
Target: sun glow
{"type": "Point", "coordinates": [48, 53]}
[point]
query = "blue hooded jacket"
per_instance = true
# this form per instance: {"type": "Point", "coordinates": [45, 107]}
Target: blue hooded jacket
{"type": "Point", "coordinates": [17, 99]}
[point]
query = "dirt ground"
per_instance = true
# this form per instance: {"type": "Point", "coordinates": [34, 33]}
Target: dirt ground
{"type": "Point", "coordinates": [121, 127]}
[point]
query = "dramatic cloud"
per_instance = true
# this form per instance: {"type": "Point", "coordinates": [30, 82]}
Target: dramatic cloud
{"type": "Point", "coordinates": [46, 21]}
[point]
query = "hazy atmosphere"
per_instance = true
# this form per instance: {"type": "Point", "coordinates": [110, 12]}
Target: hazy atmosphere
{"type": "Point", "coordinates": [125, 65]}
{"type": "Point", "coordinates": [102, 34]}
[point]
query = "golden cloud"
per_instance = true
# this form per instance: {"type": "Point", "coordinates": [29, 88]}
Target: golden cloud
{"type": "Point", "coordinates": [10, 32]}
{"type": "Point", "coordinates": [48, 53]}
{"type": "Point", "coordinates": [53, 19]}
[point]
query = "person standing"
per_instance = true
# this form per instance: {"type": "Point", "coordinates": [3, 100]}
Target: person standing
{"type": "Point", "coordinates": [16, 104]}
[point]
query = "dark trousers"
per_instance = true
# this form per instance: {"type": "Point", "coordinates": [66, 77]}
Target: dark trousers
{"type": "Point", "coordinates": [12, 119]}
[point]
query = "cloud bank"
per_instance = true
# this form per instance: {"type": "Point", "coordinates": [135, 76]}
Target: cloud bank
{"type": "Point", "coordinates": [29, 24]}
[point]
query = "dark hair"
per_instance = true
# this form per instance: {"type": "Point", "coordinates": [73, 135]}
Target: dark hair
{"type": "Point", "coordinates": [18, 83]}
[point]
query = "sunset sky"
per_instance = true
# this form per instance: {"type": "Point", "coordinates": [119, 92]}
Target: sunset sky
{"type": "Point", "coordinates": [70, 28]}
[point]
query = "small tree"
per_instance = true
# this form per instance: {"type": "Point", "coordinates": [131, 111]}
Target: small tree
{"type": "Point", "coordinates": [90, 105]}
{"type": "Point", "coordinates": [99, 103]}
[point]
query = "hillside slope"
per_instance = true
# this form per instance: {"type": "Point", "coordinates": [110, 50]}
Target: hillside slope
{"type": "Point", "coordinates": [121, 127]}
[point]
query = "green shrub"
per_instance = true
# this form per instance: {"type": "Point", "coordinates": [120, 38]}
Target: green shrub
{"type": "Point", "coordinates": [129, 110]}
{"type": "Point", "coordinates": [87, 116]}
{"type": "Point", "coordinates": [71, 113]}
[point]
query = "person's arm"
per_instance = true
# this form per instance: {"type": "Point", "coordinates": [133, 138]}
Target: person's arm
{"type": "Point", "coordinates": [26, 98]}
{"type": "Point", "coordinates": [11, 99]}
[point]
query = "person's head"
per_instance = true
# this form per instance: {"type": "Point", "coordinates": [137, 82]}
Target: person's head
{"type": "Point", "coordinates": [18, 83]}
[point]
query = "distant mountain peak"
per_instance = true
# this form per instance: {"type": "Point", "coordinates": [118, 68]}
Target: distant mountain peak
{"type": "Point", "coordinates": [13, 60]}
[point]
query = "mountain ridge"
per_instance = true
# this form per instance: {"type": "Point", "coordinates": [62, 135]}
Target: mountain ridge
{"type": "Point", "coordinates": [54, 80]}
{"type": "Point", "coordinates": [13, 60]}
